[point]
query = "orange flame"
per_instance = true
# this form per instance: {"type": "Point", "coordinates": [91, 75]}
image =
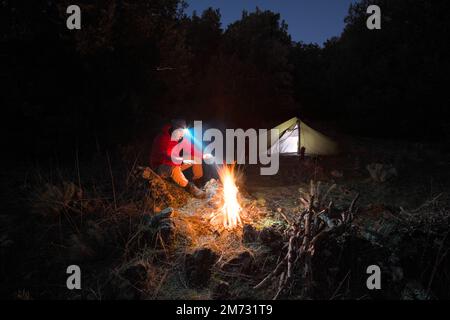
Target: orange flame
{"type": "Point", "coordinates": [231, 208]}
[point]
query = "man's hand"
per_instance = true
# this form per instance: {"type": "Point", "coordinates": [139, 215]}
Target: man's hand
{"type": "Point", "coordinates": [208, 157]}
{"type": "Point", "coordinates": [177, 160]}
{"type": "Point", "coordinates": [188, 162]}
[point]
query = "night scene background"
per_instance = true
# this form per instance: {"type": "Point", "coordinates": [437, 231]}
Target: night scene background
{"type": "Point", "coordinates": [81, 108]}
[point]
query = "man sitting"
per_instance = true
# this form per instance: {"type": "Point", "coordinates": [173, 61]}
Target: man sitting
{"type": "Point", "coordinates": [167, 167]}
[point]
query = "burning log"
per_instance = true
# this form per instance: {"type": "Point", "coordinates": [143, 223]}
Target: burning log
{"type": "Point", "coordinates": [314, 223]}
{"type": "Point", "coordinates": [229, 215]}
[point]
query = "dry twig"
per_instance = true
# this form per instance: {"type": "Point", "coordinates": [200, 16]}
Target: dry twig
{"type": "Point", "coordinates": [313, 224]}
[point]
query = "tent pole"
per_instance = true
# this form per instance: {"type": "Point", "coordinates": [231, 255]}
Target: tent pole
{"type": "Point", "coordinates": [299, 146]}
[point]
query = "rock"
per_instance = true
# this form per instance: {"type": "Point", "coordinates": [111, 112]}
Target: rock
{"type": "Point", "coordinates": [250, 234]}
{"type": "Point", "coordinates": [160, 216]}
{"type": "Point", "coordinates": [135, 274]}
{"type": "Point", "coordinates": [271, 238]}
{"type": "Point", "coordinates": [161, 224]}
{"type": "Point", "coordinates": [212, 187]}
{"type": "Point", "coordinates": [122, 289]}
{"type": "Point", "coordinates": [414, 291]}
{"type": "Point", "coordinates": [378, 223]}
{"type": "Point", "coordinates": [381, 172]}
{"type": "Point", "coordinates": [356, 164]}
{"type": "Point", "coordinates": [166, 231]}
{"type": "Point", "coordinates": [5, 242]}
{"type": "Point", "coordinates": [221, 291]}
{"type": "Point", "coordinates": [198, 267]}
{"type": "Point", "coordinates": [242, 264]}
{"type": "Point", "coordinates": [337, 174]}
{"type": "Point", "coordinates": [397, 273]}
{"type": "Point", "coordinates": [80, 249]}
{"type": "Point", "coordinates": [124, 284]}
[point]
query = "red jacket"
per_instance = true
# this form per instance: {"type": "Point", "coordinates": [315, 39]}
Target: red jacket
{"type": "Point", "coordinates": [163, 146]}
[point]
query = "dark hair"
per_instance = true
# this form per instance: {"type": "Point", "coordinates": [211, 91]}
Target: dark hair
{"type": "Point", "coordinates": [172, 129]}
{"type": "Point", "coordinates": [178, 123]}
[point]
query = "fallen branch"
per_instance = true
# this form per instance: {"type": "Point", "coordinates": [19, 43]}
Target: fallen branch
{"type": "Point", "coordinates": [312, 225]}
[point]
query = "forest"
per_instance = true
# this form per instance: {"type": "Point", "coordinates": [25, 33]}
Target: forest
{"type": "Point", "coordinates": [80, 110]}
{"type": "Point", "coordinates": [109, 83]}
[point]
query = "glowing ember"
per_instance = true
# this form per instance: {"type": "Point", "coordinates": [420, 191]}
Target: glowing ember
{"type": "Point", "coordinates": [231, 208]}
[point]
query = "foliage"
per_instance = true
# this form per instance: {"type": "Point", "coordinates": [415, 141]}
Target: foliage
{"type": "Point", "coordinates": [106, 86]}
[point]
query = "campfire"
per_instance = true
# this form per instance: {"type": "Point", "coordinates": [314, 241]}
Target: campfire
{"type": "Point", "coordinates": [229, 214]}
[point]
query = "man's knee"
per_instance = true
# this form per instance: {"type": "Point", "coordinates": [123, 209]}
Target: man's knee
{"type": "Point", "coordinates": [178, 177]}
{"type": "Point", "coordinates": [198, 171]}
{"type": "Point", "coordinates": [164, 171]}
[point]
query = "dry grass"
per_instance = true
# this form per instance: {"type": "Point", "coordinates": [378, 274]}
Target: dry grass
{"type": "Point", "coordinates": [107, 221]}
{"type": "Point", "coordinates": [104, 227]}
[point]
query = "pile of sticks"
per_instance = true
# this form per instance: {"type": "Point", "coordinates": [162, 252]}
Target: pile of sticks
{"type": "Point", "coordinates": [316, 220]}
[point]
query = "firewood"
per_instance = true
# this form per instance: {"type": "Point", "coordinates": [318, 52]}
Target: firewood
{"type": "Point", "coordinates": [311, 225]}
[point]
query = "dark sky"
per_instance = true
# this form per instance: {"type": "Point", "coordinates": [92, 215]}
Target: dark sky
{"type": "Point", "coordinates": [308, 20]}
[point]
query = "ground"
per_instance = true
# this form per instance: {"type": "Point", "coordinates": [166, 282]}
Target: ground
{"type": "Point", "coordinates": [104, 221]}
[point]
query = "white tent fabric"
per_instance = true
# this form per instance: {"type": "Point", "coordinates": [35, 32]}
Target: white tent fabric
{"type": "Point", "coordinates": [288, 142]}
{"type": "Point", "coordinates": [295, 134]}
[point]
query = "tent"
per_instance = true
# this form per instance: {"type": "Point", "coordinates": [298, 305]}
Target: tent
{"type": "Point", "coordinates": [294, 134]}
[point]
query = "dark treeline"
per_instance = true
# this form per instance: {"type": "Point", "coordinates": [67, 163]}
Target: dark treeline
{"type": "Point", "coordinates": [135, 64]}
